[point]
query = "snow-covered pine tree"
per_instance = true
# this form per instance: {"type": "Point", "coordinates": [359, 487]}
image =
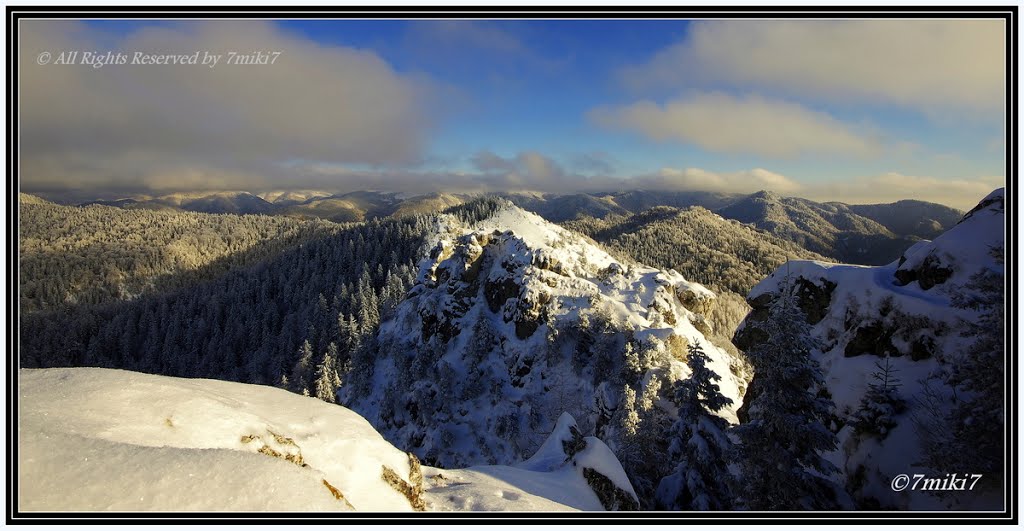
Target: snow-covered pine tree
{"type": "Point", "coordinates": [302, 371]}
{"type": "Point", "coordinates": [621, 434]}
{"type": "Point", "coordinates": [699, 444]}
{"type": "Point", "coordinates": [780, 445]}
{"type": "Point", "coordinates": [643, 448]}
{"type": "Point", "coordinates": [881, 402]}
{"type": "Point", "coordinates": [327, 379]}
{"type": "Point", "coordinates": [976, 422]}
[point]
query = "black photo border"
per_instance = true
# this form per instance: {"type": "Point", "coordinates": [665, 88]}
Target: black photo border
{"type": "Point", "coordinates": [1008, 13]}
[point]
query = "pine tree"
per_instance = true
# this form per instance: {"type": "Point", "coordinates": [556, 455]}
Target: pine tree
{"type": "Point", "coordinates": [699, 444]}
{"type": "Point", "coordinates": [301, 372]}
{"type": "Point", "coordinates": [627, 420]}
{"type": "Point", "coordinates": [974, 439]}
{"type": "Point", "coordinates": [780, 446]}
{"type": "Point", "coordinates": [882, 401]}
{"type": "Point", "coordinates": [327, 379]}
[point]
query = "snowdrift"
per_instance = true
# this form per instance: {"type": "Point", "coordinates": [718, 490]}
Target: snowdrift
{"type": "Point", "coordinates": [111, 440]}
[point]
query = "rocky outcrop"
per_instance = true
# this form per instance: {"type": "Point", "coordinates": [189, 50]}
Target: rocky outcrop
{"type": "Point", "coordinates": [612, 497]}
{"type": "Point", "coordinates": [411, 489]}
{"type": "Point", "coordinates": [813, 298]}
{"type": "Point", "coordinates": [994, 202]}
{"type": "Point", "coordinates": [929, 274]}
{"type": "Point", "coordinates": [911, 313]}
{"type": "Point", "coordinates": [872, 338]}
{"type": "Point", "coordinates": [506, 328]}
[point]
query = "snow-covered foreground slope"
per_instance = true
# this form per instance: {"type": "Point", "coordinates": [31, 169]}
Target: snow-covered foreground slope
{"type": "Point", "coordinates": [513, 322]}
{"type": "Point", "coordinates": [906, 312]}
{"type": "Point", "coordinates": [110, 440]}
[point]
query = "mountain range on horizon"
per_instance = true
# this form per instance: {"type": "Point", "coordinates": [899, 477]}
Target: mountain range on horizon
{"type": "Point", "coordinates": [864, 234]}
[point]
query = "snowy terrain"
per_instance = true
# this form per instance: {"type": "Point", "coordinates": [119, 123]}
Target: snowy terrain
{"type": "Point", "coordinates": [902, 310]}
{"type": "Point", "coordinates": [110, 440]}
{"type": "Point", "coordinates": [515, 321]}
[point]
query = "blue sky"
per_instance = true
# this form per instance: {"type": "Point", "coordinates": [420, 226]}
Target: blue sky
{"type": "Point", "coordinates": [845, 110]}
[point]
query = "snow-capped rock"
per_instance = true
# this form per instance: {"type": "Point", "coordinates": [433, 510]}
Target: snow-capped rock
{"type": "Point", "coordinates": [904, 311]}
{"type": "Point", "coordinates": [593, 461]}
{"type": "Point", "coordinates": [515, 321]}
{"type": "Point", "coordinates": [94, 439]}
{"type": "Point", "coordinates": [103, 439]}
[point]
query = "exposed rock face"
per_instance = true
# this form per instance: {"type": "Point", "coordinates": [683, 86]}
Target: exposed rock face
{"type": "Point", "coordinates": [698, 302]}
{"type": "Point", "coordinates": [929, 274]}
{"type": "Point", "coordinates": [612, 497]}
{"type": "Point", "coordinates": [411, 489]}
{"type": "Point", "coordinates": [813, 297]}
{"type": "Point", "coordinates": [994, 203]}
{"type": "Point", "coordinates": [575, 444]}
{"type": "Point", "coordinates": [753, 391]}
{"type": "Point", "coordinates": [747, 337]}
{"type": "Point", "coordinates": [498, 291]}
{"type": "Point", "coordinates": [872, 338]}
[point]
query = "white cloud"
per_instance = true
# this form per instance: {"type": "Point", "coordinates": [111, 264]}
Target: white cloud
{"type": "Point", "coordinates": [697, 179]}
{"type": "Point", "coordinates": [534, 171]}
{"type": "Point", "coordinates": [726, 124]}
{"type": "Point", "coordinates": [527, 170]}
{"type": "Point", "coordinates": [231, 125]}
{"type": "Point", "coordinates": [930, 65]}
{"type": "Point", "coordinates": [961, 193]}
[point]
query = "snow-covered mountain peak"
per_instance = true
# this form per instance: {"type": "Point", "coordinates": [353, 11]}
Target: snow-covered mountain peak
{"type": "Point", "coordinates": [545, 262]}
{"type": "Point", "coordinates": [948, 262]}
{"type": "Point", "coordinates": [514, 321]}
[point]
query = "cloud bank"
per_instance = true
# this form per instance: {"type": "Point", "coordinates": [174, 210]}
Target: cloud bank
{"type": "Point", "coordinates": [934, 66]}
{"type": "Point", "coordinates": [747, 181]}
{"type": "Point", "coordinates": [533, 171]}
{"type": "Point", "coordinates": [725, 124]}
{"type": "Point", "coordinates": [962, 193]}
{"type": "Point", "coordinates": [191, 126]}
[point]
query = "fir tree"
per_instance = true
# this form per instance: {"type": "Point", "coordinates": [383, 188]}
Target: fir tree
{"type": "Point", "coordinates": [301, 372]}
{"type": "Point", "coordinates": [882, 401]}
{"type": "Point", "coordinates": [699, 443]}
{"type": "Point", "coordinates": [980, 372]}
{"type": "Point", "coordinates": [327, 379]}
{"type": "Point", "coordinates": [640, 443]}
{"type": "Point", "coordinates": [780, 446]}
{"type": "Point", "coordinates": [970, 436]}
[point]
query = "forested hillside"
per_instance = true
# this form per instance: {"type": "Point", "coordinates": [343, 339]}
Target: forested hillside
{"type": "Point", "coordinates": [722, 254]}
{"type": "Point", "coordinates": [285, 320]}
{"type": "Point", "coordinates": [831, 229]}
{"type": "Point", "coordinates": [90, 255]}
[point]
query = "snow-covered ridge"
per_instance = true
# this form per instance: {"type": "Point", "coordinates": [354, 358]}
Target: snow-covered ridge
{"type": "Point", "coordinates": [493, 343]}
{"type": "Point", "coordinates": [556, 255]}
{"type": "Point", "coordinates": [904, 311]}
{"type": "Point", "coordinates": [110, 440]}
